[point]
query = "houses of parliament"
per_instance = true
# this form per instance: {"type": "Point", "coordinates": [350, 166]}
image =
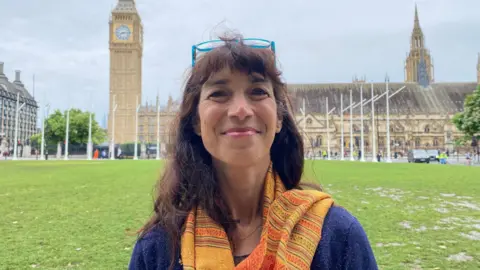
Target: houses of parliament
{"type": "Point", "coordinates": [420, 114]}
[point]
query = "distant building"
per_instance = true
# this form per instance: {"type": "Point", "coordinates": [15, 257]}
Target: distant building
{"type": "Point", "coordinates": [27, 118]}
{"type": "Point", "coordinates": [420, 115]}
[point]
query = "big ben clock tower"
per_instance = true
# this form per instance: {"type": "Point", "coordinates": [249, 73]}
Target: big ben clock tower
{"type": "Point", "coordinates": [126, 48]}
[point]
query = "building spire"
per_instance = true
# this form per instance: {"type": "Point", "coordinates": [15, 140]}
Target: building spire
{"type": "Point", "coordinates": [419, 63]}
{"type": "Point", "coordinates": [417, 21]}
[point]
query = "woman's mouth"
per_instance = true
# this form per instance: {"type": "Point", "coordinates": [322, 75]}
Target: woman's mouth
{"type": "Point", "coordinates": [241, 132]}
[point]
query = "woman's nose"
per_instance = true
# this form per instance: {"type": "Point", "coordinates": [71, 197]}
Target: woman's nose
{"type": "Point", "coordinates": [240, 107]}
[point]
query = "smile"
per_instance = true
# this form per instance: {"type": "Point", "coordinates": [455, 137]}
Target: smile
{"type": "Point", "coordinates": [241, 132]}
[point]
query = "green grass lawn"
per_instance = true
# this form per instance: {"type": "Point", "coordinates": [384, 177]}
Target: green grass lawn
{"type": "Point", "coordinates": [79, 214]}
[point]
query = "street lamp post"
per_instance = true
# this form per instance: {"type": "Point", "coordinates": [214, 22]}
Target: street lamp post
{"type": "Point", "coordinates": [17, 112]}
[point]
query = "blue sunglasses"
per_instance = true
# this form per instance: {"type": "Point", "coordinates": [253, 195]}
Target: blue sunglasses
{"type": "Point", "coordinates": [207, 46]}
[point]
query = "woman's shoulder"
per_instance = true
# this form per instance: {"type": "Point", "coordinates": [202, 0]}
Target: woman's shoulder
{"type": "Point", "coordinates": [344, 243]}
{"type": "Point", "coordinates": [152, 251]}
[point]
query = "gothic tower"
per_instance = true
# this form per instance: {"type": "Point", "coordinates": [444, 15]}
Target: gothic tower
{"type": "Point", "coordinates": [419, 64]}
{"type": "Point", "coordinates": [126, 49]}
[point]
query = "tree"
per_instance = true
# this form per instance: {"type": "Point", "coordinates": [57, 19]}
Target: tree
{"type": "Point", "coordinates": [458, 143]}
{"type": "Point", "coordinates": [55, 129]}
{"type": "Point", "coordinates": [36, 139]}
{"type": "Point", "coordinates": [468, 121]}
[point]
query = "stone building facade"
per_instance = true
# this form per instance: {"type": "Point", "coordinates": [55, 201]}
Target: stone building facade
{"type": "Point", "coordinates": [419, 117]}
{"type": "Point", "coordinates": [27, 118]}
{"type": "Point", "coordinates": [148, 127]}
{"type": "Point", "coordinates": [420, 114]}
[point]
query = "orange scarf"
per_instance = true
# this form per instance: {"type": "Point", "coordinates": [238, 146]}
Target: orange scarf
{"type": "Point", "coordinates": [291, 232]}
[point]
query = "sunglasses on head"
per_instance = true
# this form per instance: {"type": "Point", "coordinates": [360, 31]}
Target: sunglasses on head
{"type": "Point", "coordinates": [207, 46]}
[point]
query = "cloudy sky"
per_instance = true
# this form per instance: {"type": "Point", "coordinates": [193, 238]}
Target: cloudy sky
{"type": "Point", "coordinates": [65, 42]}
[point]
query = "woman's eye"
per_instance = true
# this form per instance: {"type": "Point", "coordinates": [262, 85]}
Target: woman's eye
{"type": "Point", "coordinates": [259, 92]}
{"type": "Point", "coordinates": [218, 95]}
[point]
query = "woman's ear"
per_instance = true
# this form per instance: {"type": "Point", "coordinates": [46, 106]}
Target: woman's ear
{"type": "Point", "coordinates": [197, 129]}
{"type": "Point", "coordinates": [279, 126]}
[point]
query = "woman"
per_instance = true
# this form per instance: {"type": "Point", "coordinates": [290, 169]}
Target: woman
{"type": "Point", "coordinates": [230, 196]}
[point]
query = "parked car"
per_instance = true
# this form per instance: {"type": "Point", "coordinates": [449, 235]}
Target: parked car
{"type": "Point", "coordinates": [434, 155]}
{"type": "Point", "coordinates": [418, 156]}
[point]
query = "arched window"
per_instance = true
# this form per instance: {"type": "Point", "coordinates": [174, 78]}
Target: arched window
{"type": "Point", "coordinates": [417, 142]}
{"type": "Point", "coordinates": [427, 129]}
{"type": "Point", "coordinates": [435, 141]}
{"type": "Point", "coordinates": [319, 141]}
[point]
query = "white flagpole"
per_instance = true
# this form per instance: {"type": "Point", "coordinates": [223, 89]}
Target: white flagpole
{"type": "Point", "coordinates": [112, 147]}
{"type": "Point", "coordinates": [362, 143]}
{"type": "Point", "coordinates": [90, 145]}
{"type": "Point", "coordinates": [374, 143]}
{"type": "Point", "coordinates": [304, 120]}
{"type": "Point", "coordinates": [341, 126]}
{"type": "Point", "coordinates": [135, 156]}
{"type": "Point", "coordinates": [328, 131]}
{"type": "Point", "coordinates": [351, 126]}
{"type": "Point", "coordinates": [17, 112]}
{"type": "Point", "coordinates": [66, 135]}
{"type": "Point", "coordinates": [305, 140]}
{"type": "Point", "coordinates": [388, 121]}
{"type": "Point", "coordinates": [42, 147]}
{"type": "Point", "coordinates": [158, 126]}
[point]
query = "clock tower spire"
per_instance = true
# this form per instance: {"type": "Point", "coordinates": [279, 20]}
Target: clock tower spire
{"type": "Point", "coordinates": [126, 51]}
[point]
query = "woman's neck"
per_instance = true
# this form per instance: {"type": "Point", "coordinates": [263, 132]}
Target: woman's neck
{"type": "Point", "coordinates": [242, 190]}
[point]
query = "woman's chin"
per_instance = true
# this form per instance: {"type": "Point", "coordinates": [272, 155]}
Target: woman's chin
{"type": "Point", "coordinates": [242, 157]}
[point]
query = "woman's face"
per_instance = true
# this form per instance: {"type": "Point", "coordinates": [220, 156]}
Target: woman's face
{"type": "Point", "coordinates": [238, 117]}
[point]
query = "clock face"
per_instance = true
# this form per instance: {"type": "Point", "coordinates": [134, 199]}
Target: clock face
{"type": "Point", "coordinates": [123, 32]}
